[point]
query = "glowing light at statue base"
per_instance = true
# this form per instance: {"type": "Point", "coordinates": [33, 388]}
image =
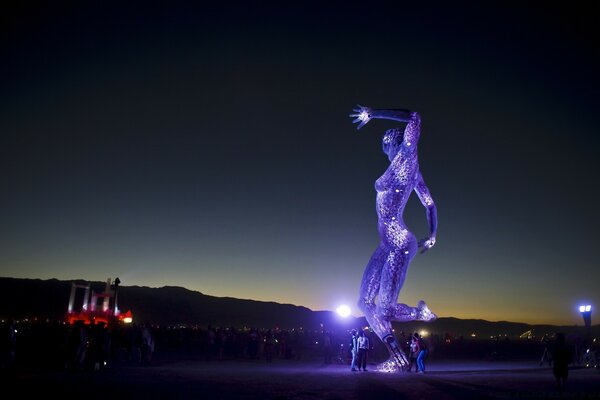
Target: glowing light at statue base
{"type": "Point", "coordinates": [343, 311]}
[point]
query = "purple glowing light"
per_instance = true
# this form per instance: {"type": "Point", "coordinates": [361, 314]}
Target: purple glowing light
{"type": "Point", "coordinates": [343, 311]}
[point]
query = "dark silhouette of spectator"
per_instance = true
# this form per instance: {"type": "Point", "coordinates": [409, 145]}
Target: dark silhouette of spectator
{"type": "Point", "coordinates": [211, 341]}
{"type": "Point", "coordinates": [135, 344]}
{"type": "Point", "coordinates": [404, 342]}
{"type": "Point", "coordinates": [221, 342]}
{"type": "Point", "coordinates": [353, 349]}
{"type": "Point", "coordinates": [562, 356]}
{"type": "Point", "coordinates": [285, 346]}
{"type": "Point", "coordinates": [253, 344]}
{"type": "Point", "coordinates": [77, 343]}
{"type": "Point", "coordinates": [268, 345]}
{"type": "Point", "coordinates": [237, 342]}
{"type": "Point", "coordinates": [423, 353]}
{"type": "Point", "coordinates": [363, 350]}
{"type": "Point", "coordinates": [327, 347]}
{"type": "Point", "coordinates": [147, 347]}
{"type": "Point", "coordinates": [8, 345]}
{"type": "Point", "coordinates": [413, 352]}
{"type": "Point", "coordinates": [98, 347]}
{"type": "Point", "coordinates": [48, 348]}
{"type": "Point", "coordinates": [299, 343]}
{"type": "Point", "coordinates": [547, 354]}
{"type": "Point", "coordinates": [119, 343]}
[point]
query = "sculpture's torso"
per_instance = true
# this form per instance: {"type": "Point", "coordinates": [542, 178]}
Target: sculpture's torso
{"type": "Point", "coordinates": [394, 188]}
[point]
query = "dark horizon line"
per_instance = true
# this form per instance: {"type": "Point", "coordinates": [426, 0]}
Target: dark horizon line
{"type": "Point", "coordinates": [296, 305]}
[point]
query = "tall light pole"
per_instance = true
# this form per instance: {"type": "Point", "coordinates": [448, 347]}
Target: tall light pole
{"type": "Point", "coordinates": [586, 313]}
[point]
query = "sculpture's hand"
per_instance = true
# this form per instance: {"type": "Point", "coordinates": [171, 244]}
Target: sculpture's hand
{"type": "Point", "coordinates": [362, 115]}
{"type": "Point", "coordinates": [426, 244]}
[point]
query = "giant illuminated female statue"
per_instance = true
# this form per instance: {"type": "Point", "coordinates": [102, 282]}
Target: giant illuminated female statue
{"type": "Point", "coordinates": [386, 271]}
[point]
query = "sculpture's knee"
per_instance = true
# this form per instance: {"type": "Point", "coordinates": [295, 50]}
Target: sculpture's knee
{"type": "Point", "coordinates": [385, 312]}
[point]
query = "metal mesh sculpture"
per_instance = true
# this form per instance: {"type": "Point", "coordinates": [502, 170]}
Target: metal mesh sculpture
{"type": "Point", "coordinates": [386, 271]}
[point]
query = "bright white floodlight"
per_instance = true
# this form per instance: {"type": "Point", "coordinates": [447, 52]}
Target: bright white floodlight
{"type": "Point", "coordinates": [343, 311]}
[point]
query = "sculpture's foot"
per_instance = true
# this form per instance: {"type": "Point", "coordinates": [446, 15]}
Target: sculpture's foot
{"type": "Point", "coordinates": [397, 355]}
{"type": "Point", "coordinates": [391, 365]}
{"type": "Point", "coordinates": [424, 313]}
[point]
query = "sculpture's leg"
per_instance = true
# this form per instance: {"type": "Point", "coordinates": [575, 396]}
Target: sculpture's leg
{"type": "Point", "coordinates": [383, 279]}
{"type": "Point", "coordinates": [421, 312]}
{"type": "Point", "coordinates": [392, 280]}
{"type": "Point", "coordinates": [398, 360]}
{"type": "Point", "coordinates": [369, 288]}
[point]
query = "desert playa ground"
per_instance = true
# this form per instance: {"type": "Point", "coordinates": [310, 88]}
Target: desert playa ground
{"type": "Point", "coordinates": [293, 379]}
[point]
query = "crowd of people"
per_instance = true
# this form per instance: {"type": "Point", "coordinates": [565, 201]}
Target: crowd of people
{"type": "Point", "coordinates": [44, 344]}
{"type": "Point", "coordinates": [79, 346]}
{"type": "Point", "coordinates": [415, 348]}
{"type": "Point", "coordinates": [268, 344]}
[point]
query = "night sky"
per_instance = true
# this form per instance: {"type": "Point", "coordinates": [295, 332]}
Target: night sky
{"type": "Point", "coordinates": [210, 147]}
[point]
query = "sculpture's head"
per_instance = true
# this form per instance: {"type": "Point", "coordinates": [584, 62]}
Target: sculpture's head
{"type": "Point", "coordinates": [391, 142]}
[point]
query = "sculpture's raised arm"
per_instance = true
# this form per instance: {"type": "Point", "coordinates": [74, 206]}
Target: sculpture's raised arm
{"type": "Point", "coordinates": [365, 114]}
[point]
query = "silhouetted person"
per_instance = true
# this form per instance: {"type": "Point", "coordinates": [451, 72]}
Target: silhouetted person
{"type": "Point", "coordinates": [547, 354]}
{"type": "Point", "coordinates": [211, 340]}
{"type": "Point", "coordinates": [363, 350]}
{"type": "Point", "coordinates": [147, 347]}
{"type": "Point", "coordinates": [299, 338]}
{"type": "Point", "coordinates": [562, 357]}
{"type": "Point", "coordinates": [253, 344]}
{"type": "Point", "coordinates": [327, 347]}
{"type": "Point", "coordinates": [98, 346]}
{"type": "Point", "coordinates": [404, 342]}
{"type": "Point", "coordinates": [413, 353]}
{"type": "Point", "coordinates": [77, 345]}
{"type": "Point", "coordinates": [268, 345]}
{"type": "Point", "coordinates": [135, 350]}
{"type": "Point", "coordinates": [422, 354]}
{"type": "Point", "coordinates": [8, 345]}
{"type": "Point", "coordinates": [354, 349]}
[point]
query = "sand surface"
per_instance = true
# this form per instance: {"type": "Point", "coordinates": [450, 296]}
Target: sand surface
{"type": "Point", "coordinates": [292, 379]}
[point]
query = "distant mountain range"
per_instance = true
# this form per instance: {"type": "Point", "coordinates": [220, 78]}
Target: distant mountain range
{"type": "Point", "coordinates": [169, 305]}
